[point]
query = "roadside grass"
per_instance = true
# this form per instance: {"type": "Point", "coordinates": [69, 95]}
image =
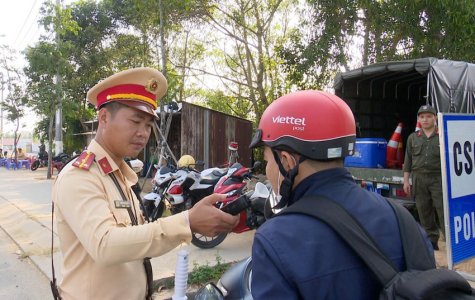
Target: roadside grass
{"type": "Point", "coordinates": [203, 274]}
{"type": "Point", "coordinates": [199, 276]}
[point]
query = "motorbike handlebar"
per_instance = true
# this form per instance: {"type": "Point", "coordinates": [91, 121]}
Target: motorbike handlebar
{"type": "Point", "coordinates": [235, 207]}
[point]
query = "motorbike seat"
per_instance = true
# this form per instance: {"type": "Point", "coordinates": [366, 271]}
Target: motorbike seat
{"type": "Point", "coordinates": [210, 180]}
{"type": "Point", "coordinates": [166, 169]}
{"type": "Point", "coordinates": [217, 173]}
{"type": "Point", "coordinates": [213, 177]}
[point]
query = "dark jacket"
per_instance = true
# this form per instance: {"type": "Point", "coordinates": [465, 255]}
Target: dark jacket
{"type": "Point", "coordinates": [299, 257]}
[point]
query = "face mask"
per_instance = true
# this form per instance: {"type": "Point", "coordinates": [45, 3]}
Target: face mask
{"type": "Point", "coordinates": [276, 197]}
{"type": "Point", "coordinates": [284, 189]}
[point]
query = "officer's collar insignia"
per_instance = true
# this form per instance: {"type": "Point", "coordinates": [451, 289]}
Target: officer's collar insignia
{"type": "Point", "coordinates": [105, 165]}
{"type": "Point", "coordinates": [152, 85]}
{"type": "Point", "coordinates": [84, 161]}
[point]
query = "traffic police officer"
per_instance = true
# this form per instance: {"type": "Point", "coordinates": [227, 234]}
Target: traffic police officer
{"type": "Point", "coordinates": [422, 159]}
{"type": "Point", "coordinates": [103, 253]}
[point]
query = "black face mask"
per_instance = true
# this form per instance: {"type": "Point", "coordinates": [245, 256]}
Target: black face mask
{"type": "Point", "coordinates": [288, 182]}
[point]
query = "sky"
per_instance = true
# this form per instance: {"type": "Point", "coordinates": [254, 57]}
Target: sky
{"type": "Point", "coordinates": [18, 29]}
{"type": "Point", "coordinates": [19, 22]}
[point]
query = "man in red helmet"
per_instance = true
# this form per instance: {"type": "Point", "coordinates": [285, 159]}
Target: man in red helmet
{"type": "Point", "coordinates": [306, 136]}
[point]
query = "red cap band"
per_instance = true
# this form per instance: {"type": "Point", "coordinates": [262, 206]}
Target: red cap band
{"type": "Point", "coordinates": [133, 92]}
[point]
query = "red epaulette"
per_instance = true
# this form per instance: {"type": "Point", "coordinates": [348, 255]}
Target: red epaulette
{"type": "Point", "coordinates": [84, 161]}
{"type": "Point", "coordinates": [105, 165]}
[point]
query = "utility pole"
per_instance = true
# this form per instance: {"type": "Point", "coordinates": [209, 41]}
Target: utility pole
{"type": "Point", "coordinates": [58, 134]}
{"type": "Point", "coordinates": [164, 62]}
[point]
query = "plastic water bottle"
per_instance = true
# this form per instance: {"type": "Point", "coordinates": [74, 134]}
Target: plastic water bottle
{"type": "Point", "coordinates": [181, 275]}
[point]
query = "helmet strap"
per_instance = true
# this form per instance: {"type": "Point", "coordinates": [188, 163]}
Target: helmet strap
{"type": "Point", "coordinates": [288, 182]}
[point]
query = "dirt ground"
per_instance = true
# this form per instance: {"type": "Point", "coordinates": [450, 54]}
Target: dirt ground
{"type": "Point", "coordinates": [441, 260]}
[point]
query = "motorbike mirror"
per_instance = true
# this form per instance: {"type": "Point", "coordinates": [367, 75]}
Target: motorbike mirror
{"type": "Point", "coordinates": [209, 292]}
{"type": "Point", "coordinates": [256, 165]}
{"type": "Point", "coordinates": [199, 163]}
{"type": "Point", "coordinates": [260, 191]}
{"type": "Point", "coordinates": [136, 165]}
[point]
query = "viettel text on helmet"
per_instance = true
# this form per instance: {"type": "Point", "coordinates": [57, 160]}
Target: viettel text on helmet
{"type": "Point", "coordinates": [288, 120]}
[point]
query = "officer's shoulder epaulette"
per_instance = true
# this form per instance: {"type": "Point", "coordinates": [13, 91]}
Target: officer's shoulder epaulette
{"type": "Point", "coordinates": [84, 161]}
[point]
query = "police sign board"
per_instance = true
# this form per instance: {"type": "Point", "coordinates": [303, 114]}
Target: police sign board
{"type": "Point", "coordinates": [457, 152]}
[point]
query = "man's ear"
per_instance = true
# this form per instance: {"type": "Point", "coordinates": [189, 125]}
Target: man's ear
{"type": "Point", "coordinates": [288, 160]}
{"type": "Point", "coordinates": [103, 116]}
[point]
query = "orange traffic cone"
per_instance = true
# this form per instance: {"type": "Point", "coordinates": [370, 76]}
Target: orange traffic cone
{"type": "Point", "coordinates": [391, 149]}
{"type": "Point", "coordinates": [399, 155]}
{"type": "Point", "coordinates": [418, 126]}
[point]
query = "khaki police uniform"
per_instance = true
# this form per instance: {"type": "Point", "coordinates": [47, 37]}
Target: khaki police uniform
{"type": "Point", "coordinates": [423, 160]}
{"type": "Point", "coordinates": [102, 252]}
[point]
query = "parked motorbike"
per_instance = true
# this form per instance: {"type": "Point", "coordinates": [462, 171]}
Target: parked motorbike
{"type": "Point", "coordinates": [234, 184]}
{"type": "Point", "coordinates": [154, 203]}
{"type": "Point", "coordinates": [235, 283]}
{"type": "Point", "coordinates": [38, 163]}
{"type": "Point", "coordinates": [42, 161]}
{"type": "Point", "coordinates": [180, 188]}
{"type": "Point", "coordinates": [190, 186]}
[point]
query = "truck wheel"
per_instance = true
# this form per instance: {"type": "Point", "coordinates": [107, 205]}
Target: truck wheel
{"type": "Point", "coordinates": [35, 165]}
{"type": "Point", "coordinates": [205, 242]}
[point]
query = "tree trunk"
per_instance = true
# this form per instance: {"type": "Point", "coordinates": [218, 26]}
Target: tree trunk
{"type": "Point", "coordinates": [15, 142]}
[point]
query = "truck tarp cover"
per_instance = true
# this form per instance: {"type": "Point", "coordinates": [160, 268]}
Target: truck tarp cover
{"type": "Point", "coordinates": [450, 84]}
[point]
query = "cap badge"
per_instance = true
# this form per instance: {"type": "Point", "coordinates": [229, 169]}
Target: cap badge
{"type": "Point", "coordinates": [152, 86]}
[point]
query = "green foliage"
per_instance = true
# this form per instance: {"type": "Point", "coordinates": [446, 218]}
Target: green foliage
{"type": "Point", "coordinates": [204, 273]}
{"type": "Point", "coordinates": [338, 34]}
{"type": "Point", "coordinates": [15, 103]}
{"type": "Point", "coordinates": [48, 61]}
{"type": "Point", "coordinates": [219, 101]}
{"type": "Point", "coordinates": [247, 67]}
{"type": "Point", "coordinates": [232, 56]}
{"type": "Point", "coordinates": [16, 99]}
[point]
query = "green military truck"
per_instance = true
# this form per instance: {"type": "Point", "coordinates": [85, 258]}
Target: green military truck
{"type": "Point", "coordinates": [384, 94]}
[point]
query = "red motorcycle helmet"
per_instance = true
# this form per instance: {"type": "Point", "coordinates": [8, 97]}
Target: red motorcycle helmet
{"type": "Point", "coordinates": [315, 124]}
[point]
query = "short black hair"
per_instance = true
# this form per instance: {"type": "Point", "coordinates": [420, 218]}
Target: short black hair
{"type": "Point", "coordinates": [113, 107]}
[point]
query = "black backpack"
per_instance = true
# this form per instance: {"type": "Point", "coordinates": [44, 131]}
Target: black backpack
{"type": "Point", "coordinates": [421, 280]}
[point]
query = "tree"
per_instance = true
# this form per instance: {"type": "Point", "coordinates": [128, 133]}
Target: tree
{"type": "Point", "coordinates": [16, 100]}
{"type": "Point", "coordinates": [342, 34]}
{"type": "Point", "coordinates": [15, 107]}
{"type": "Point", "coordinates": [48, 62]}
{"type": "Point", "coordinates": [240, 44]}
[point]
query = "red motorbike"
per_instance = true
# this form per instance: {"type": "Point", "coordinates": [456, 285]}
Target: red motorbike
{"type": "Point", "coordinates": [58, 161]}
{"type": "Point", "coordinates": [249, 204]}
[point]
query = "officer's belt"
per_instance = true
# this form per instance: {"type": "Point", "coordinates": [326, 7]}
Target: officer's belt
{"type": "Point", "coordinates": [426, 172]}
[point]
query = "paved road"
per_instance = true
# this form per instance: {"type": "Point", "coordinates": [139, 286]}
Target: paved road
{"type": "Point", "coordinates": [19, 277]}
{"type": "Point", "coordinates": [25, 215]}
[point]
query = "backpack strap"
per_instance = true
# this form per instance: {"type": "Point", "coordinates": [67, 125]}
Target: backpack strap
{"type": "Point", "coordinates": [350, 230]}
{"type": "Point", "coordinates": [412, 240]}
